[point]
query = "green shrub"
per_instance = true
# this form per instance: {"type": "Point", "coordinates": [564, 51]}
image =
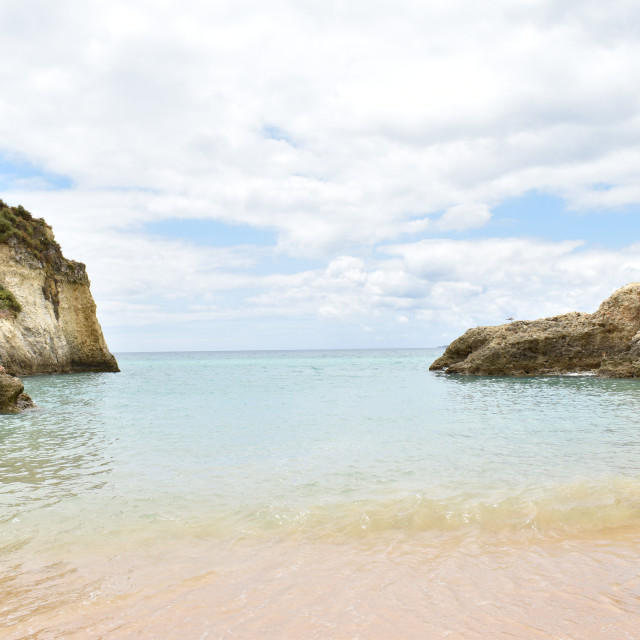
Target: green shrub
{"type": "Point", "coordinates": [33, 233]}
{"type": "Point", "coordinates": [7, 230]}
{"type": "Point", "coordinates": [23, 213]}
{"type": "Point", "coordinates": [8, 301]}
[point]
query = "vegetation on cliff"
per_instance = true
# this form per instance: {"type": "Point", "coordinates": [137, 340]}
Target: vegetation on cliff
{"type": "Point", "coordinates": [8, 302]}
{"type": "Point", "coordinates": [32, 233]}
{"type": "Point", "coordinates": [33, 239]}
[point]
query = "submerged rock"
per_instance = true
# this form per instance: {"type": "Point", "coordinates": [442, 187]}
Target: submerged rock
{"type": "Point", "coordinates": [12, 396]}
{"type": "Point", "coordinates": [606, 343]}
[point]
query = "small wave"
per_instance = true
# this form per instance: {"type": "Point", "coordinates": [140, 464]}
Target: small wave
{"type": "Point", "coordinates": [583, 507]}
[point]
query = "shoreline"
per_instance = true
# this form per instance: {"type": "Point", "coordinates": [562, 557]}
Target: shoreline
{"type": "Point", "coordinates": [286, 589]}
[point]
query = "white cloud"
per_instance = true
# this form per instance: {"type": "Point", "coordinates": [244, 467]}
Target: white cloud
{"type": "Point", "coordinates": [463, 216]}
{"type": "Point", "coordinates": [400, 110]}
{"type": "Point", "coordinates": [457, 284]}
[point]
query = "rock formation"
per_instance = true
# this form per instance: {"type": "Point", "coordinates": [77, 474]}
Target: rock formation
{"type": "Point", "coordinates": [12, 398]}
{"type": "Point", "coordinates": [48, 318]}
{"type": "Point", "coordinates": [605, 343]}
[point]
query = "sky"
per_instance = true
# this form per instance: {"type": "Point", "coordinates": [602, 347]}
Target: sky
{"type": "Point", "coordinates": [300, 175]}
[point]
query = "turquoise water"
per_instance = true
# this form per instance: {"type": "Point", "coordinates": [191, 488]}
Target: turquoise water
{"type": "Point", "coordinates": [319, 443]}
{"type": "Point", "coordinates": [335, 494]}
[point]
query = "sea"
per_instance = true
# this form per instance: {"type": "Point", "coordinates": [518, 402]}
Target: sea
{"type": "Point", "coordinates": [319, 494]}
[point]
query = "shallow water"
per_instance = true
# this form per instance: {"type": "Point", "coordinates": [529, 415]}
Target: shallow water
{"type": "Point", "coordinates": [337, 494]}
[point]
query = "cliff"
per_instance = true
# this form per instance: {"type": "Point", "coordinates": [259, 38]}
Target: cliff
{"type": "Point", "coordinates": [48, 320]}
{"type": "Point", "coordinates": [605, 343]}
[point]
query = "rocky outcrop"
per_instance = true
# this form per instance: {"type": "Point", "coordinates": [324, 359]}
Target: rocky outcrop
{"type": "Point", "coordinates": [12, 396]}
{"type": "Point", "coordinates": [48, 320]}
{"type": "Point", "coordinates": [605, 343]}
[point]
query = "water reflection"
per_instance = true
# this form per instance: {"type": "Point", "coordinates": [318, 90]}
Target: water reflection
{"type": "Point", "coordinates": [572, 381]}
{"type": "Point", "coordinates": [56, 451]}
{"type": "Point", "coordinates": [569, 391]}
{"type": "Point", "coordinates": [48, 455]}
{"type": "Point", "coordinates": [543, 428]}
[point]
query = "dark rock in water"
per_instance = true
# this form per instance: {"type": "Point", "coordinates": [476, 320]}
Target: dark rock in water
{"type": "Point", "coordinates": [12, 396]}
{"type": "Point", "coordinates": [606, 343]}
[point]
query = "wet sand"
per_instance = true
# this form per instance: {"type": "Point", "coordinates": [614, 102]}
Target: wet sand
{"type": "Point", "coordinates": [391, 587]}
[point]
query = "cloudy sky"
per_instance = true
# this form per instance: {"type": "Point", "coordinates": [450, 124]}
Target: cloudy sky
{"type": "Point", "coordinates": [300, 174]}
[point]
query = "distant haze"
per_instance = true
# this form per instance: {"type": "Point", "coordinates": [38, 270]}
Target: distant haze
{"type": "Point", "coordinates": [247, 175]}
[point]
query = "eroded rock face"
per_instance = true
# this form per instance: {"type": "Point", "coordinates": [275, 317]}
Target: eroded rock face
{"type": "Point", "coordinates": [53, 328]}
{"type": "Point", "coordinates": [606, 343]}
{"type": "Point", "coordinates": [12, 398]}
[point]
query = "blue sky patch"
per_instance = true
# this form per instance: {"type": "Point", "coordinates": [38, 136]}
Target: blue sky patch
{"type": "Point", "coordinates": [211, 233]}
{"type": "Point", "coordinates": [546, 216]}
{"type": "Point", "coordinates": [286, 265]}
{"type": "Point", "coordinates": [16, 173]}
{"type": "Point", "coordinates": [273, 132]}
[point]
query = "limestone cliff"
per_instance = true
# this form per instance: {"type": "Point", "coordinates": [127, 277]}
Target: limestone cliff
{"type": "Point", "coordinates": [48, 320]}
{"type": "Point", "coordinates": [606, 343]}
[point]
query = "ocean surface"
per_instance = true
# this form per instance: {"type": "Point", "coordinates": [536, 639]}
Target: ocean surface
{"type": "Point", "coordinates": [319, 494]}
